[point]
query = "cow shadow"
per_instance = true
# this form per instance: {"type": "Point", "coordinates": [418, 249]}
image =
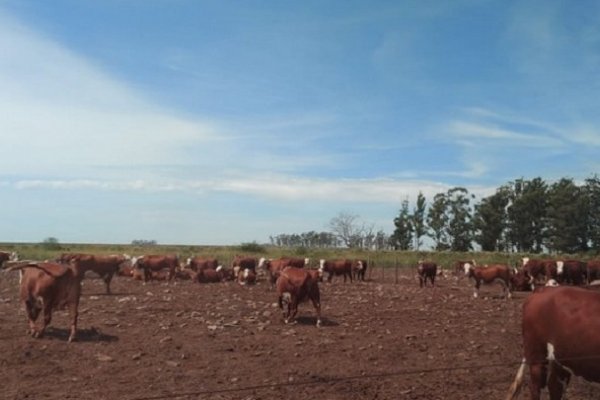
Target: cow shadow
{"type": "Point", "coordinates": [83, 335]}
{"type": "Point", "coordinates": [305, 320]}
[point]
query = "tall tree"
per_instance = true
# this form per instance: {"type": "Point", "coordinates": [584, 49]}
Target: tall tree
{"type": "Point", "coordinates": [460, 226]}
{"type": "Point", "coordinates": [403, 232]}
{"type": "Point", "coordinates": [527, 214]}
{"type": "Point", "coordinates": [418, 221]}
{"type": "Point", "coordinates": [489, 221]}
{"type": "Point", "coordinates": [566, 217]}
{"type": "Point", "coordinates": [592, 190]}
{"type": "Point", "coordinates": [437, 221]}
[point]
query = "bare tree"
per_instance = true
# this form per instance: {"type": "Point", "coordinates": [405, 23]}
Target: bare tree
{"type": "Point", "coordinates": [347, 228]}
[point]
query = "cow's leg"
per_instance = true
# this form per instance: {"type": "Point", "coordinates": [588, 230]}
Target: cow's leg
{"type": "Point", "coordinates": [107, 279]}
{"type": "Point", "coordinates": [537, 380]}
{"type": "Point", "coordinates": [476, 289]}
{"type": "Point", "coordinates": [47, 318]}
{"type": "Point", "coordinates": [74, 313]}
{"type": "Point", "coordinates": [317, 304]}
{"type": "Point", "coordinates": [33, 311]}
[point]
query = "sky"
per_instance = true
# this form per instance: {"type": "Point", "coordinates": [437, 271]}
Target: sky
{"type": "Point", "coordinates": [224, 122]}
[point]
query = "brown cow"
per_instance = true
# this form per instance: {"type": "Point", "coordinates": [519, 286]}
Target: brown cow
{"type": "Point", "coordinates": [148, 263]}
{"type": "Point", "coordinates": [105, 266]}
{"type": "Point", "coordinates": [336, 267]}
{"type": "Point", "coordinates": [593, 270]}
{"type": "Point", "coordinates": [199, 263]}
{"type": "Point", "coordinates": [427, 270]}
{"type": "Point", "coordinates": [241, 263]}
{"type": "Point", "coordinates": [294, 286]}
{"type": "Point", "coordinates": [559, 339]}
{"type": "Point", "coordinates": [359, 269]}
{"type": "Point", "coordinates": [246, 277]}
{"type": "Point", "coordinates": [571, 272]}
{"type": "Point", "coordinates": [520, 281]}
{"type": "Point", "coordinates": [274, 267]}
{"type": "Point", "coordinates": [49, 286]}
{"type": "Point", "coordinates": [536, 268]}
{"type": "Point", "coordinates": [209, 275]}
{"type": "Point", "coordinates": [459, 266]}
{"type": "Point", "coordinates": [489, 275]}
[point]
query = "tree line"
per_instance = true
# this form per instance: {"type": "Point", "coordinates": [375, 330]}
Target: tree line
{"type": "Point", "coordinates": [525, 215]}
{"type": "Point", "coordinates": [530, 216]}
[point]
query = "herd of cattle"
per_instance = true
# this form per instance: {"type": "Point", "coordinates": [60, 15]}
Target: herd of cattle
{"type": "Point", "coordinates": [560, 324]}
{"type": "Point", "coordinates": [50, 285]}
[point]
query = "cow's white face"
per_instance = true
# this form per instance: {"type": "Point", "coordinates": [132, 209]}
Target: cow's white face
{"type": "Point", "coordinates": [524, 261]}
{"type": "Point", "coordinates": [321, 264]}
{"type": "Point", "coordinates": [14, 256]}
{"type": "Point", "coordinates": [188, 262]}
{"type": "Point", "coordinates": [261, 262]}
{"type": "Point", "coordinates": [552, 282]}
{"type": "Point", "coordinates": [560, 267]}
{"type": "Point", "coordinates": [360, 265]}
{"type": "Point", "coordinates": [220, 267]}
{"type": "Point", "coordinates": [306, 261]}
{"type": "Point", "coordinates": [246, 273]}
{"type": "Point", "coordinates": [467, 267]}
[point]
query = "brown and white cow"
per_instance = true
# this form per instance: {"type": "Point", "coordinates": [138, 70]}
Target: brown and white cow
{"type": "Point", "coordinates": [104, 266]}
{"type": "Point", "coordinates": [246, 277]}
{"type": "Point", "coordinates": [460, 265]}
{"type": "Point", "coordinates": [149, 263]}
{"type": "Point", "coordinates": [359, 269]}
{"type": "Point", "coordinates": [488, 275]}
{"type": "Point", "coordinates": [46, 287]}
{"type": "Point", "coordinates": [427, 270]}
{"type": "Point", "coordinates": [294, 286]}
{"type": "Point", "coordinates": [537, 268]}
{"type": "Point", "coordinates": [560, 339]}
{"type": "Point", "coordinates": [336, 267]}
{"type": "Point", "coordinates": [6, 256]}
{"type": "Point", "coordinates": [571, 272]}
{"type": "Point", "coordinates": [274, 267]}
{"type": "Point", "coordinates": [520, 281]}
{"type": "Point", "coordinates": [241, 263]}
{"type": "Point", "coordinates": [199, 263]}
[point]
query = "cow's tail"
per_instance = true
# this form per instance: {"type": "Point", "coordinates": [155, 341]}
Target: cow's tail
{"type": "Point", "coordinates": [515, 387]}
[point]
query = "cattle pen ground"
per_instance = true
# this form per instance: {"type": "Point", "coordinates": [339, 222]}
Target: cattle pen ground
{"type": "Point", "coordinates": [382, 339]}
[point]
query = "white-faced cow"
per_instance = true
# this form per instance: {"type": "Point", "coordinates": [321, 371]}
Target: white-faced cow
{"type": "Point", "coordinates": [460, 265]}
{"type": "Point", "coordinates": [294, 286]}
{"type": "Point", "coordinates": [156, 263]}
{"type": "Point", "coordinates": [47, 287]}
{"type": "Point", "coordinates": [538, 268]}
{"type": "Point", "coordinates": [489, 275]}
{"type": "Point", "coordinates": [241, 263]}
{"type": "Point", "coordinates": [199, 263]}
{"type": "Point", "coordinates": [560, 339]}
{"type": "Point", "coordinates": [336, 267]}
{"type": "Point", "coordinates": [426, 270]}
{"type": "Point", "coordinates": [359, 269]}
{"type": "Point", "coordinates": [571, 272]}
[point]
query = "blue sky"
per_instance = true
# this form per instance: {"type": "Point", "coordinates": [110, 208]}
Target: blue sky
{"type": "Point", "coordinates": [219, 122]}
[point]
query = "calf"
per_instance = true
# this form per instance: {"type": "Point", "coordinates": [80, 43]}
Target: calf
{"type": "Point", "coordinates": [426, 270]}
{"type": "Point", "coordinates": [489, 275]}
{"type": "Point", "coordinates": [359, 269]}
{"type": "Point", "coordinates": [294, 286]}
{"type": "Point", "coordinates": [459, 266]}
{"type": "Point", "coordinates": [247, 277]}
{"type": "Point", "coordinates": [336, 267]}
{"type": "Point", "coordinates": [537, 268]}
{"type": "Point", "coordinates": [48, 286]}
{"type": "Point", "coordinates": [241, 263]}
{"type": "Point", "coordinates": [560, 339]}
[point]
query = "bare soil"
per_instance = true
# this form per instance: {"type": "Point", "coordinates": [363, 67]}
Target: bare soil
{"type": "Point", "coordinates": [380, 340]}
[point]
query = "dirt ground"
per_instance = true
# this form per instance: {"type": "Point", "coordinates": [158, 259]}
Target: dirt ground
{"type": "Point", "coordinates": [379, 340]}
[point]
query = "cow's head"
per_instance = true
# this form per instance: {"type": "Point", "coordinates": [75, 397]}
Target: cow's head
{"type": "Point", "coordinates": [560, 268]}
{"type": "Point", "coordinates": [524, 261]}
{"type": "Point", "coordinates": [321, 264]}
{"type": "Point", "coordinates": [306, 261]}
{"type": "Point", "coordinates": [261, 262]}
{"type": "Point", "coordinates": [467, 268]}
